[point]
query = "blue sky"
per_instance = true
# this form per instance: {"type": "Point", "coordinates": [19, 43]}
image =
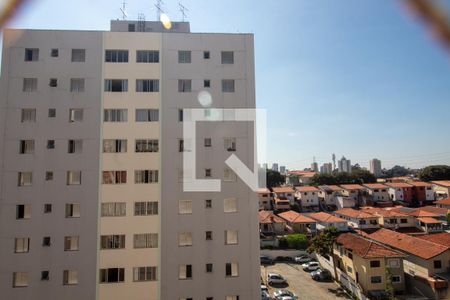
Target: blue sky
{"type": "Point", "coordinates": [358, 78]}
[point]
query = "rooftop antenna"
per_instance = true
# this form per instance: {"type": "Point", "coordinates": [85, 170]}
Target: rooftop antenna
{"type": "Point", "coordinates": [183, 10]}
{"type": "Point", "coordinates": [159, 10]}
{"type": "Point", "coordinates": [141, 22]}
{"type": "Point", "coordinates": [124, 14]}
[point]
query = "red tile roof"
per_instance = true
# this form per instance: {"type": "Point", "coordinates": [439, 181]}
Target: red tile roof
{"type": "Point", "coordinates": [326, 218]}
{"type": "Point", "coordinates": [436, 210]}
{"type": "Point", "coordinates": [366, 248]}
{"type": "Point", "coordinates": [263, 191]}
{"type": "Point", "coordinates": [334, 188]}
{"type": "Point", "coordinates": [445, 183]}
{"type": "Point", "coordinates": [373, 186]}
{"type": "Point", "coordinates": [353, 213]}
{"type": "Point", "coordinates": [295, 217]}
{"type": "Point", "coordinates": [303, 189]}
{"type": "Point", "coordinates": [438, 238]}
{"type": "Point", "coordinates": [352, 187]}
{"type": "Point", "coordinates": [400, 185]}
{"type": "Point", "coordinates": [420, 184]}
{"type": "Point", "coordinates": [283, 189]}
{"type": "Point", "coordinates": [428, 220]}
{"type": "Point", "coordinates": [409, 244]}
{"type": "Point", "coordinates": [383, 212]}
{"type": "Point", "coordinates": [443, 201]}
{"type": "Point", "coordinates": [268, 217]}
{"type": "Point", "coordinates": [280, 200]}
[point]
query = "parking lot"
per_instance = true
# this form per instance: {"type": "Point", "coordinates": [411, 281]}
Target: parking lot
{"type": "Point", "coordinates": [301, 283]}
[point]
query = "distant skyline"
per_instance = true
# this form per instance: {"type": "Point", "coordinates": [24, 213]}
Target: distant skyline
{"type": "Point", "coordinates": [362, 80]}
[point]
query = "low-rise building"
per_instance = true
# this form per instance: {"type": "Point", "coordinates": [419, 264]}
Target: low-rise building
{"type": "Point", "coordinates": [308, 197]}
{"type": "Point", "coordinates": [271, 224]}
{"type": "Point", "coordinates": [441, 189]}
{"type": "Point", "coordinates": [426, 263]}
{"type": "Point", "coordinates": [355, 192]}
{"type": "Point", "coordinates": [325, 220]}
{"type": "Point", "coordinates": [429, 225]}
{"type": "Point", "coordinates": [328, 194]}
{"type": "Point", "coordinates": [264, 198]}
{"type": "Point", "coordinates": [358, 218]}
{"type": "Point", "coordinates": [365, 262]}
{"type": "Point", "coordinates": [281, 204]}
{"type": "Point", "coordinates": [298, 222]}
{"type": "Point", "coordinates": [391, 219]}
{"type": "Point", "coordinates": [377, 192]}
{"type": "Point", "coordinates": [422, 192]}
{"type": "Point", "coordinates": [345, 202]}
{"type": "Point", "coordinates": [444, 203]}
{"type": "Point", "coordinates": [283, 193]}
{"type": "Point", "coordinates": [400, 191]}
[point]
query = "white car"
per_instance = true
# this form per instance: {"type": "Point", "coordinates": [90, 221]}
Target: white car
{"type": "Point", "coordinates": [302, 259]}
{"type": "Point", "coordinates": [275, 278]}
{"type": "Point", "coordinates": [311, 266]}
{"type": "Point", "coordinates": [284, 295]}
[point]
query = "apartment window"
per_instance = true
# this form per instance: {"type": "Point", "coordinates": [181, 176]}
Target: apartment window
{"type": "Point", "coordinates": [21, 245]}
{"type": "Point", "coordinates": [206, 55]}
{"type": "Point", "coordinates": [403, 221]}
{"type": "Point", "coordinates": [25, 178]}
{"type": "Point", "coordinates": [147, 85]}
{"type": "Point", "coordinates": [208, 235]}
{"type": "Point", "coordinates": [77, 85]}
{"type": "Point", "coordinates": [112, 275]}
{"type": "Point", "coordinates": [54, 53]}
{"type": "Point", "coordinates": [26, 147]}
{"type": "Point", "coordinates": [114, 177]}
{"type": "Point", "coordinates": [207, 142]}
{"type": "Point", "coordinates": [116, 85]}
{"type": "Point", "coordinates": [185, 272]}
{"type": "Point", "coordinates": [209, 268]}
{"type": "Point", "coordinates": [180, 115]}
{"type": "Point", "coordinates": [114, 146]}
{"type": "Point", "coordinates": [228, 85]}
{"type": "Point", "coordinates": [29, 85]}
{"type": "Point", "coordinates": [47, 208]}
{"type": "Point", "coordinates": [375, 279]}
{"type": "Point", "coordinates": [394, 263]}
{"type": "Point", "coordinates": [113, 209]}
{"type": "Point", "coordinates": [72, 210]}
{"type": "Point", "coordinates": [184, 85]}
{"type": "Point", "coordinates": [437, 264]}
{"type": "Point", "coordinates": [45, 275]}
{"type": "Point", "coordinates": [184, 145]}
{"type": "Point", "coordinates": [70, 277]}
{"type": "Point", "coordinates": [145, 176]}
{"type": "Point", "coordinates": [146, 240]}
{"type": "Point", "coordinates": [231, 237]}
{"type": "Point", "coordinates": [230, 205]}
{"type": "Point", "coordinates": [229, 175]}
{"type": "Point", "coordinates": [115, 115]}
{"type": "Point", "coordinates": [28, 115]}
{"type": "Point", "coordinates": [112, 241]}
{"type": "Point", "coordinates": [23, 211]}
{"type": "Point", "coordinates": [396, 279]}
{"type": "Point", "coordinates": [31, 54]}
{"type": "Point", "coordinates": [375, 264]}
{"type": "Point", "coordinates": [185, 207]}
{"type": "Point", "coordinates": [206, 83]}
{"type": "Point", "coordinates": [71, 243]}
{"type": "Point", "coordinates": [116, 56]}
{"type": "Point", "coordinates": [184, 57]}
{"type": "Point", "coordinates": [78, 55]}
{"type": "Point", "coordinates": [232, 269]}
{"type": "Point", "coordinates": [51, 112]}
{"type": "Point", "coordinates": [53, 82]}
{"type": "Point", "coordinates": [20, 279]}
{"type": "Point", "coordinates": [227, 57]}
{"type": "Point", "coordinates": [74, 146]}
{"type": "Point", "coordinates": [185, 239]}
{"type": "Point", "coordinates": [147, 115]}
{"type": "Point", "coordinates": [146, 208]}
{"type": "Point", "coordinates": [50, 144]}
{"type": "Point", "coordinates": [75, 115]}
{"type": "Point", "coordinates": [230, 144]}
{"type": "Point", "coordinates": [208, 203]}
{"type": "Point", "coordinates": [147, 145]}
{"type": "Point", "coordinates": [208, 173]}
{"type": "Point", "coordinates": [48, 175]}
{"type": "Point", "coordinates": [147, 56]}
{"type": "Point", "coordinates": [46, 241]}
{"type": "Point", "coordinates": [144, 274]}
{"type": "Point", "coordinates": [73, 177]}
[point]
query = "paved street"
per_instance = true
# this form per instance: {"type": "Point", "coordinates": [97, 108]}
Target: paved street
{"type": "Point", "coordinates": [302, 284]}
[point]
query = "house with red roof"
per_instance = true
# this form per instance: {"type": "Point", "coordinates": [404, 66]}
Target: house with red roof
{"type": "Point", "coordinates": [358, 218]}
{"type": "Point", "coordinates": [328, 194]}
{"type": "Point", "coordinates": [298, 222]}
{"type": "Point", "coordinates": [444, 203]}
{"type": "Point", "coordinates": [377, 192]}
{"type": "Point", "coordinates": [390, 218]}
{"type": "Point", "coordinates": [271, 224]}
{"type": "Point", "coordinates": [422, 192]}
{"type": "Point", "coordinates": [326, 220]}
{"type": "Point", "coordinates": [264, 198]}
{"type": "Point", "coordinates": [441, 189]}
{"type": "Point", "coordinates": [307, 197]}
{"type": "Point", "coordinates": [400, 191]}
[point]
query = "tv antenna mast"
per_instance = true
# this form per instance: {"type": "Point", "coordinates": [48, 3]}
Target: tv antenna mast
{"type": "Point", "coordinates": [123, 10]}
{"type": "Point", "coordinates": [159, 10]}
{"type": "Point", "coordinates": [183, 10]}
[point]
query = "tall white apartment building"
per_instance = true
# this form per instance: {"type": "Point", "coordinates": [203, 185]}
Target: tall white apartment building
{"type": "Point", "coordinates": [375, 167]}
{"type": "Point", "coordinates": [344, 165]}
{"type": "Point", "coordinates": [91, 145]}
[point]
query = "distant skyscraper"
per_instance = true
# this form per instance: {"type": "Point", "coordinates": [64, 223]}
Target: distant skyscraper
{"type": "Point", "coordinates": [315, 167]}
{"type": "Point", "coordinates": [283, 169]}
{"type": "Point", "coordinates": [333, 157]}
{"type": "Point", "coordinates": [344, 165]}
{"type": "Point", "coordinates": [275, 167]}
{"type": "Point", "coordinates": [375, 167]}
{"type": "Point", "coordinates": [326, 168]}
{"type": "Point", "coordinates": [265, 166]}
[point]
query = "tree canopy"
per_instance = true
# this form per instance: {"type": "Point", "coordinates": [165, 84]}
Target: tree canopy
{"type": "Point", "coordinates": [274, 178]}
{"type": "Point", "coordinates": [297, 241]}
{"type": "Point", "coordinates": [397, 171]}
{"type": "Point", "coordinates": [356, 176]}
{"type": "Point", "coordinates": [438, 172]}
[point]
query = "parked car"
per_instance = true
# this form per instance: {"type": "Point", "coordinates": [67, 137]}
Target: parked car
{"type": "Point", "coordinates": [283, 294]}
{"type": "Point", "coordinates": [275, 278]}
{"type": "Point", "coordinates": [302, 259]}
{"type": "Point", "coordinates": [311, 266]}
{"type": "Point", "coordinates": [284, 258]}
{"type": "Point", "coordinates": [321, 274]}
{"type": "Point", "coordinates": [264, 288]}
{"type": "Point", "coordinates": [265, 260]}
{"type": "Point", "coordinates": [265, 295]}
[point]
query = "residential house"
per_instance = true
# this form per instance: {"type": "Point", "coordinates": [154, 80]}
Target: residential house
{"type": "Point", "coordinates": [328, 194]}
{"type": "Point", "coordinates": [422, 192]}
{"type": "Point", "coordinates": [358, 218]}
{"type": "Point", "coordinates": [281, 204]}
{"type": "Point", "coordinates": [325, 220]}
{"type": "Point", "coordinates": [345, 202]}
{"type": "Point", "coordinates": [264, 198]}
{"type": "Point", "coordinates": [308, 196]}
{"type": "Point", "coordinates": [426, 264]}
{"type": "Point", "coordinates": [377, 192]}
{"type": "Point", "coordinates": [284, 193]}
{"type": "Point", "coordinates": [365, 262]}
{"type": "Point", "coordinates": [440, 212]}
{"type": "Point", "coordinates": [441, 189]}
{"type": "Point", "coordinates": [271, 224]}
{"type": "Point", "coordinates": [429, 225]}
{"type": "Point", "coordinates": [444, 203]}
{"type": "Point", "coordinates": [400, 191]}
{"type": "Point", "coordinates": [298, 222]}
{"type": "Point", "coordinates": [355, 192]}
{"type": "Point", "coordinates": [392, 219]}
{"type": "Point", "coordinates": [425, 220]}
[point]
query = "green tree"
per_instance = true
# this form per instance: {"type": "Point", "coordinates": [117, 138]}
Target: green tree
{"type": "Point", "coordinates": [389, 285]}
{"type": "Point", "coordinates": [297, 241]}
{"type": "Point", "coordinates": [343, 178]}
{"type": "Point", "coordinates": [438, 172]}
{"type": "Point", "coordinates": [274, 178]}
{"type": "Point", "coordinates": [323, 244]}
{"type": "Point", "coordinates": [363, 176]}
{"type": "Point", "coordinates": [323, 179]}
{"type": "Point", "coordinates": [397, 171]}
